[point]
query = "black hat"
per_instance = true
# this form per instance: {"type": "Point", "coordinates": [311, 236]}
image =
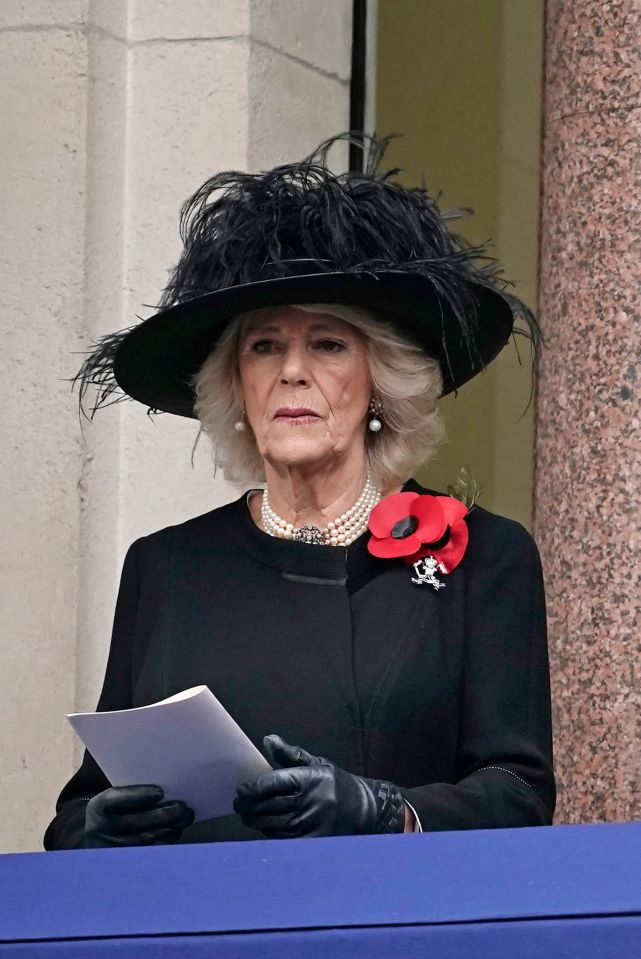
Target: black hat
{"type": "Point", "coordinates": [301, 234]}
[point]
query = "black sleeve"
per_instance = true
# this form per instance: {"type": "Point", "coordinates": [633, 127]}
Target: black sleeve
{"type": "Point", "coordinates": [67, 829]}
{"type": "Point", "coordinates": [504, 754]}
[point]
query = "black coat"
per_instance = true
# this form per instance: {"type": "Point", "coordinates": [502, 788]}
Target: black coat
{"type": "Point", "coordinates": [444, 693]}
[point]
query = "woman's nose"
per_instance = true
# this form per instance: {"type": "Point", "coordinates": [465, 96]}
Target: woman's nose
{"type": "Point", "coordinates": [294, 369]}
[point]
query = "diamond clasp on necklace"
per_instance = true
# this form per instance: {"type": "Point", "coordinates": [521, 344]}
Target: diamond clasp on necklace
{"type": "Point", "coordinates": [309, 534]}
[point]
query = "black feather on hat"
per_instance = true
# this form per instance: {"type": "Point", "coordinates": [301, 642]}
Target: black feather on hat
{"type": "Point", "coordinates": [301, 234]}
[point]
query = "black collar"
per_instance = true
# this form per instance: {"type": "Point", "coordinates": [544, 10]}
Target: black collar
{"type": "Point", "coordinates": [351, 565]}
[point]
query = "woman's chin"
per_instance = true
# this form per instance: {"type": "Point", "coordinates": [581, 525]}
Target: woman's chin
{"type": "Point", "coordinates": [297, 456]}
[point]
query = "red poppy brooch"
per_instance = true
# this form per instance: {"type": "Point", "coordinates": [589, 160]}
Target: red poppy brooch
{"type": "Point", "coordinates": [426, 532]}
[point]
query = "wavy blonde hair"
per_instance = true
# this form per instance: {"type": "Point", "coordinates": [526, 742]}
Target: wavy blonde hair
{"type": "Point", "coordinates": [406, 381]}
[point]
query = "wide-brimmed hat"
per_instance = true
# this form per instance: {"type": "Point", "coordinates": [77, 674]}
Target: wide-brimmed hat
{"type": "Point", "coordinates": [300, 234]}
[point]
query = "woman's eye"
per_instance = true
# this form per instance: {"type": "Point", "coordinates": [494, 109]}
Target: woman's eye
{"type": "Point", "coordinates": [262, 346]}
{"type": "Point", "coordinates": [329, 346]}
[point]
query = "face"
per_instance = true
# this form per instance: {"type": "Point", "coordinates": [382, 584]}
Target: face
{"type": "Point", "coordinates": [306, 387]}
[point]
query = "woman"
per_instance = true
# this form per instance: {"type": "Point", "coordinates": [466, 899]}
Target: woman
{"type": "Point", "coordinates": [311, 325]}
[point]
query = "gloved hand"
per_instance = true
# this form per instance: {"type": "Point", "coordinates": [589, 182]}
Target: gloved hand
{"type": "Point", "coordinates": [134, 816]}
{"type": "Point", "coordinates": [313, 797]}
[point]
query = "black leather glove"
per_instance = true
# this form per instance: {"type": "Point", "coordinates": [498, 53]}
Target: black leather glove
{"type": "Point", "coordinates": [134, 816]}
{"type": "Point", "coordinates": [313, 797]}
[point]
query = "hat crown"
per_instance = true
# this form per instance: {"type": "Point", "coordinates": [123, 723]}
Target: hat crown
{"type": "Point", "coordinates": [240, 228]}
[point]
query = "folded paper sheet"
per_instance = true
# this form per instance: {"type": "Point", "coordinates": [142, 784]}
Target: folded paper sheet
{"type": "Point", "coordinates": [188, 744]}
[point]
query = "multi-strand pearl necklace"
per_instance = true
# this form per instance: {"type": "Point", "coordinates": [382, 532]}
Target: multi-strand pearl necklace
{"type": "Point", "coordinates": [339, 532]}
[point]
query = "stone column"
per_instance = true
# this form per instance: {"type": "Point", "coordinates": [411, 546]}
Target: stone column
{"type": "Point", "coordinates": [588, 446]}
{"type": "Point", "coordinates": [113, 112]}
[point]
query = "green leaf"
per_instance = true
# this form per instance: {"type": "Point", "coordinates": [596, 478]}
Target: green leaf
{"type": "Point", "coordinates": [466, 488]}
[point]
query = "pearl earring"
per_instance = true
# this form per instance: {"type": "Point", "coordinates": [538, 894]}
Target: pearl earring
{"type": "Point", "coordinates": [374, 409]}
{"type": "Point", "coordinates": [239, 425]}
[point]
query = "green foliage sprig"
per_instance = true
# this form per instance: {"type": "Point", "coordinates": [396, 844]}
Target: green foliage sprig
{"type": "Point", "coordinates": [466, 488]}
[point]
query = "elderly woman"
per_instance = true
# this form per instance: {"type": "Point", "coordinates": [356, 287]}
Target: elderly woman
{"type": "Point", "coordinates": [311, 325]}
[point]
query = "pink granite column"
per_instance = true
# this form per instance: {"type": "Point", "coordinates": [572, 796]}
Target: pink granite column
{"type": "Point", "coordinates": [588, 445]}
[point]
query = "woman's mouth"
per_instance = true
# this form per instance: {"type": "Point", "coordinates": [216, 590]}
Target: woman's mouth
{"type": "Point", "coordinates": [295, 416]}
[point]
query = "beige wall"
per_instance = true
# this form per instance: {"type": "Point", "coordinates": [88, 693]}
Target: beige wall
{"type": "Point", "coordinates": [43, 151]}
{"type": "Point", "coordinates": [464, 92]}
{"type": "Point", "coordinates": [113, 111]}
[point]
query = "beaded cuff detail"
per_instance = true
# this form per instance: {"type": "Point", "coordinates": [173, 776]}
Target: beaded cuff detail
{"type": "Point", "coordinates": [508, 771]}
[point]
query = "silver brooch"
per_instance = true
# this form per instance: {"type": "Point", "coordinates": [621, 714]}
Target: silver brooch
{"type": "Point", "coordinates": [309, 534]}
{"type": "Point", "coordinates": [426, 570]}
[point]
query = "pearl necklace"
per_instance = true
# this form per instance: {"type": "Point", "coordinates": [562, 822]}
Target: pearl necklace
{"type": "Point", "coordinates": [339, 532]}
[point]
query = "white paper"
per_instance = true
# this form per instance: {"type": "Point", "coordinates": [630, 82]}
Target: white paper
{"type": "Point", "coordinates": [188, 744]}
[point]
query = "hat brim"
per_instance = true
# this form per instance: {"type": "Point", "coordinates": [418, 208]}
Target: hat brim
{"type": "Point", "coordinates": [157, 361]}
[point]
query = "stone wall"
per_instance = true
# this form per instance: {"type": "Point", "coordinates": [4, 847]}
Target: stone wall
{"type": "Point", "coordinates": [113, 111]}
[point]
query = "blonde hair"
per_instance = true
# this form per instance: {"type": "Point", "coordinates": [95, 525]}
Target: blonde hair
{"type": "Point", "coordinates": [406, 381]}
